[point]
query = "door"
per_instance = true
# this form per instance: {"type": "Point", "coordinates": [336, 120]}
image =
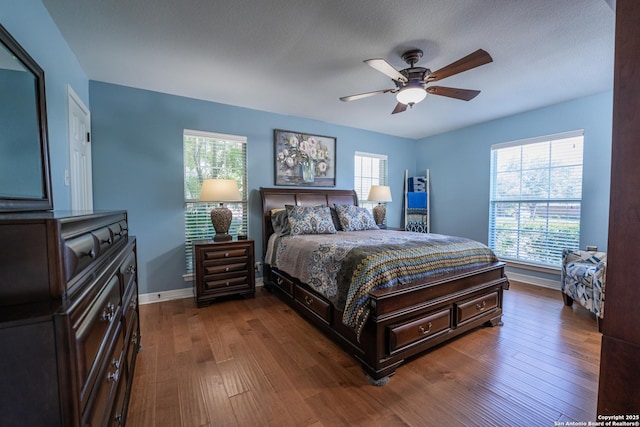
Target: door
{"type": "Point", "coordinates": [80, 181]}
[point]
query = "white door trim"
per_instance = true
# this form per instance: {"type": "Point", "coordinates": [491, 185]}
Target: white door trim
{"type": "Point", "coordinates": [80, 176]}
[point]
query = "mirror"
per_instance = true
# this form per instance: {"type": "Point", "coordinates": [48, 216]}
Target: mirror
{"type": "Point", "coordinates": [25, 182]}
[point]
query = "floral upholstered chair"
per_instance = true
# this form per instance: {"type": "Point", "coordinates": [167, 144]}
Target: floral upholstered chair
{"type": "Point", "coordinates": [583, 280]}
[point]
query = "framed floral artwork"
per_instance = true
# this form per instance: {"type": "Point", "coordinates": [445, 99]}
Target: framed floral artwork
{"type": "Point", "coordinates": [304, 160]}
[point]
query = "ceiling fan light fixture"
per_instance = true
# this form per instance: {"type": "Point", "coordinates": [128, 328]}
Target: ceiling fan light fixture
{"type": "Point", "coordinates": [410, 95]}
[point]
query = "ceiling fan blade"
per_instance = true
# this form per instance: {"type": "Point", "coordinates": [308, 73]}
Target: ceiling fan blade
{"type": "Point", "coordinates": [452, 92]}
{"type": "Point", "coordinates": [400, 107]}
{"type": "Point", "coordinates": [473, 60]}
{"type": "Point", "coordinates": [385, 68]}
{"type": "Point", "coordinates": [365, 95]}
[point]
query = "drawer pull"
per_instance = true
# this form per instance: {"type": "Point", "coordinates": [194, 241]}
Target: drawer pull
{"type": "Point", "coordinates": [90, 254]}
{"type": "Point", "coordinates": [134, 338]}
{"type": "Point", "coordinates": [308, 300]}
{"type": "Point", "coordinates": [118, 419]}
{"type": "Point", "coordinates": [113, 376]}
{"type": "Point", "coordinates": [226, 254]}
{"type": "Point", "coordinates": [425, 331]}
{"type": "Point", "coordinates": [133, 303]}
{"type": "Point", "coordinates": [481, 307]}
{"type": "Point", "coordinates": [226, 269]}
{"type": "Point", "coordinates": [108, 312]}
{"type": "Point", "coordinates": [279, 281]}
{"type": "Point", "coordinates": [131, 269]}
{"type": "Point", "coordinates": [115, 363]}
{"type": "Point", "coordinates": [108, 241]}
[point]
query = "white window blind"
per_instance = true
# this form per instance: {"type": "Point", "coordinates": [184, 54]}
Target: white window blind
{"type": "Point", "coordinates": [211, 155]}
{"type": "Point", "coordinates": [370, 169]}
{"type": "Point", "coordinates": [536, 197]}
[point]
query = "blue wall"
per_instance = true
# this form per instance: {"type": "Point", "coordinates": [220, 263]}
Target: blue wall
{"type": "Point", "coordinates": [138, 166]}
{"type": "Point", "coordinates": [459, 162]}
{"type": "Point", "coordinates": [30, 24]}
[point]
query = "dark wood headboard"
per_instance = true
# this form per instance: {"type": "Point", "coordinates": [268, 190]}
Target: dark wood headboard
{"type": "Point", "coordinates": [274, 198]}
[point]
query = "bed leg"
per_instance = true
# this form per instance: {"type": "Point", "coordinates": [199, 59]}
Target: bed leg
{"type": "Point", "coordinates": [496, 321]}
{"type": "Point", "coordinates": [376, 382]}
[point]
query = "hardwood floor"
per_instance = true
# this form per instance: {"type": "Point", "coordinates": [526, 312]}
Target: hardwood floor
{"type": "Point", "coordinates": [255, 362]}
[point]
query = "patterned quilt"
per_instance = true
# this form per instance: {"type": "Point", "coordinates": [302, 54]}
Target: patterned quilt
{"type": "Point", "coordinates": [346, 266]}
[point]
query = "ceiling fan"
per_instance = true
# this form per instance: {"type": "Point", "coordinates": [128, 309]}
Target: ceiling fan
{"type": "Point", "coordinates": [411, 83]}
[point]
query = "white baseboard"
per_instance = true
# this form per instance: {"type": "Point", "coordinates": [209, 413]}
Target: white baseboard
{"type": "Point", "coordinates": [175, 294]}
{"type": "Point", "coordinates": [532, 280]}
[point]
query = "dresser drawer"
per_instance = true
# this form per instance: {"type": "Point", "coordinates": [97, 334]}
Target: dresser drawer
{"type": "Point", "coordinates": [103, 239]}
{"type": "Point", "coordinates": [79, 253]}
{"type": "Point", "coordinates": [313, 303]}
{"type": "Point", "coordinates": [112, 372]}
{"type": "Point", "coordinates": [119, 230]}
{"type": "Point", "coordinates": [92, 330]}
{"type": "Point", "coordinates": [128, 270]}
{"type": "Point", "coordinates": [418, 330]}
{"type": "Point", "coordinates": [467, 310]}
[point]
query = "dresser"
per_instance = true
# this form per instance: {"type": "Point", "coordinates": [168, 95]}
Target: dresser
{"type": "Point", "coordinates": [69, 328]}
{"type": "Point", "coordinates": [222, 269]}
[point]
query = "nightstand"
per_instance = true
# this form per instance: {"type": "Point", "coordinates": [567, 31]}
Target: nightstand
{"type": "Point", "coordinates": [223, 269]}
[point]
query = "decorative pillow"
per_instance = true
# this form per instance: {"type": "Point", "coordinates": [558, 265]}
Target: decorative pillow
{"type": "Point", "coordinates": [310, 220]}
{"type": "Point", "coordinates": [354, 218]}
{"type": "Point", "coordinates": [280, 222]}
{"type": "Point", "coordinates": [335, 219]}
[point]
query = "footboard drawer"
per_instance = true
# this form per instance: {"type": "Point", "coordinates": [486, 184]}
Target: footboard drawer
{"type": "Point", "coordinates": [467, 310]}
{"type": "Point", "coordinates": [417, 330]}
{"type": "Point", "coordinates": [313, 303]}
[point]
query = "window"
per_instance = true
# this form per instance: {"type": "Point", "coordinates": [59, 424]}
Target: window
{"type": "Point", "coordinates": [535, 198]}
{"type": "Point", "coordinates": [370, 169]}
{"type": "Point", "coordinates": [211, 155]}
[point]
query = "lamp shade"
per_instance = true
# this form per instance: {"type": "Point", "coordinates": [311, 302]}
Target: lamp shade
{"type": "Point", "coordinates": [379, 193]}
{"type": "Point", "coordinates": [411, 95]}
{"type": "Point", "coordinates": [220, 190]}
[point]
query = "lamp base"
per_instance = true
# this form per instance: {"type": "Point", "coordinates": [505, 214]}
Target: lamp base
{"type": "Point", "coordinates": [221, 221]}
{"type": "Point", "coordinates": [379, 212]}
{"type": "Point", "coordinates": [222, 237]}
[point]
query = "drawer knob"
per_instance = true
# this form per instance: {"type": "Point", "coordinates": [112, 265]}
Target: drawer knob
{"type": "Point", "coordinates": [131, 269]}
{"type": "Point", "coordinates": [226, 254]}
{"type": "Point", "coordinates": [226, 284]}
{"type": "Point", "coordinates": [115, 363]}
{"type": "Point", "coordinates": [118, 419]}
{"type": "Point", "coordinates": [226, 269]}
{"type": "Point", "coordinates": [134, 338]}
{"type": "Point", "coordinates": [113, 376]}
{"type": "Point", "coordinates": [90, 254]}
{"type": "Point", "coordinates": [108, 312]}
{"type": "Point", "coordinates": [108, 241]}
{"type": "Point", "coordinates": [425, 331]}
{"type": "Point", "coordinates": [134, 302]}
{"type": "Point", "coordinates": [482, 306]}
{"type": "Point", "coordinates": [308, 300]}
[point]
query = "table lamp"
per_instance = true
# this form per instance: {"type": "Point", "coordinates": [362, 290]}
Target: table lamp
{"type": "Point", "coordinates": [220, 190]}
{"type": "Point", "coordinates": [379, 193]}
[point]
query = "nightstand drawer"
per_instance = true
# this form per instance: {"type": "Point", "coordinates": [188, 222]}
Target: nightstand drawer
{"type": "Point", "coordinates": [220, 281]}
{"type": "Point", "coordinates": [226, 253]}
{"type": "Point", "coordinates": [216, 267]}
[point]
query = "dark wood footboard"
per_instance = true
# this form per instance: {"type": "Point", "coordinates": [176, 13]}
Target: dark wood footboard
{"type": "Point", "coordinates": [404, 321]}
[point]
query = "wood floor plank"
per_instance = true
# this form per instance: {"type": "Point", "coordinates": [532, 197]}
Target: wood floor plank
{"type": "Point", "coordinates": [255, 362]}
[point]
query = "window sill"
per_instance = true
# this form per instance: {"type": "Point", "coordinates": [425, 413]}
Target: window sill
{"type": "Point", "coordinates": [532, 267]}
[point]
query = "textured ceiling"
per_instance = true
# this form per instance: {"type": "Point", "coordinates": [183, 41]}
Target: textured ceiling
{"type": "Point", "coordinates": [298, 57]}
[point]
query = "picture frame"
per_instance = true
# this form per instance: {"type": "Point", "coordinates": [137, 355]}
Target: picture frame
{"type": "Point", "coordinates": [303, 159]}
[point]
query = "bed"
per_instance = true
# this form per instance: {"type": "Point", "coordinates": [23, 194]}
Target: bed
{"type": "Point", "coordinates": [383, 321]}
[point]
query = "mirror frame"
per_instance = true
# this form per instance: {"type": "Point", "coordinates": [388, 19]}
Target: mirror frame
{"type": "Point", "coordinates": [11, 204]}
